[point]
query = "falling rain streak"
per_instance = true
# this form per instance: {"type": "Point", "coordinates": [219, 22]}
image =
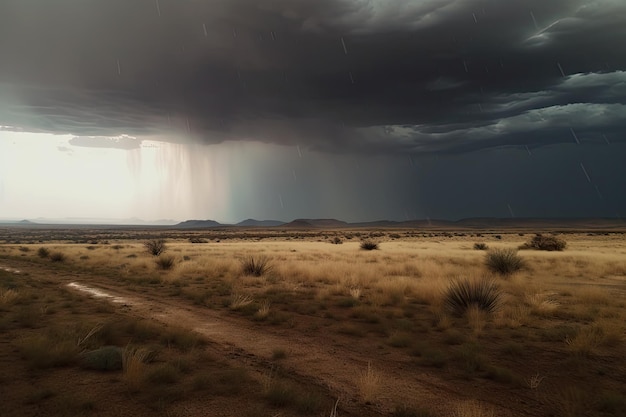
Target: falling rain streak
{"type": "Point", "coordinates": [585, 171]}
{"type": "Point", "coordinates": [534, 20]}
{"type": "Point", "coordinates": [158, 7]}
{"type": "Point", "coordinates": [558, 64]}
{"type": "Point", "coordinates": [204, 27]}
{"type": "Point", "coordinates": [343, 43]}
{"type": "Point", "coordinates": [574, 135]}
{"type": "Point", "coordinates": [119, 68]}
{"type": "Point", "coordinates": [510, 210]}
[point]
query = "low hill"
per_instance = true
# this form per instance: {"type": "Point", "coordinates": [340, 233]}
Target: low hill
{"type": "Point", "coordinates": [197, 224]}
{"type": "Point", "coordinates": [260, 223]}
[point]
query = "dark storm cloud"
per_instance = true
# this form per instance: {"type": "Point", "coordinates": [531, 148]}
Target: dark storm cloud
{"type": "Point", "coordinates": [333, 75]}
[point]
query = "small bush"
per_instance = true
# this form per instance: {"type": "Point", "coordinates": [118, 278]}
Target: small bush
{"type": "Point", "coordinates": [256, 266]}
{"type": "Point", "coordinates": [57, 257]}
{"type": "Point", "coordinates": [548, 243]}
{"type": "Point", "coordinates": [369, 245]}
{"type": "Point", "coordinates": [462, 294]}
{"type": "Point", "coordinates": [165, 262]}
{"type": "Point", "coordinates": [336, 241]}
{"type": "Point", "coordinates": [198, 240]}
{"type": "Point", "coordinates": [43, 253]}
{"type": "Point", "coordinates": [504, 261]}
{"type": "Point", "coordinates": [155, 246]}
{"type": "Point", "coordinates": [480, 246]}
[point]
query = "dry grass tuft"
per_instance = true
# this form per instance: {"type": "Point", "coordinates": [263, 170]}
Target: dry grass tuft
{"type": "Point", "coordinates": [263, 311]}
{"type": "Point", "coordinates": [369, 384]}
{"type": "Point", "coordinates": [8, 297]}
{"type": "Point", "coordinates": [241, 300]}
{"type": "Point", "coordinates": [133, 364]}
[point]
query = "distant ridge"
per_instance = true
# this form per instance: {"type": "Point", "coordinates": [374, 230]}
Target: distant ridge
{"type": "Point", "coordinates": [476, 223]}
{"type": "Point", "coordinates": [193, 224]}
{"type": "Point", "coordinates": [316, 223]}
{"type": "Point", "coordinates": [260, 223]}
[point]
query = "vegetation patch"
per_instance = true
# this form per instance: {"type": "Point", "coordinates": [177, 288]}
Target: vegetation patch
{"type": "Point", "coordinates": [547, 243]}
{"type": "Point", "coordinates": [483, 294]}
{"type": "Point", "coordinates": [504, 261]}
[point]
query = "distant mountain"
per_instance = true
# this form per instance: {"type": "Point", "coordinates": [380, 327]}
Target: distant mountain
{"type": "Point", "coordinates": [316, 223]}
{"type": "Point", "coordinates": [298, 224]}
{"type": "Point", "coordinates": [197, 224]}
{"type": "Point", "coordinates": [260, 223]}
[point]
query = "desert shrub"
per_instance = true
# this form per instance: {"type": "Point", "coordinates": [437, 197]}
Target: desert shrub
{"type": "Point", "coordinates": [57, 257]}
{"type": "Point", "coordinates": [43, 252]}
{"type": "Point", "coordinates": [198, 240]}
{"type": "Point", "coordinates": [369, 245]}
{"type": "Point", "coordinates": [336, 241]}
{"type": "Point", "coordinates": [256, 266]}
{"type": "Point", "coordinates": [165, 262]}
{"type": "Point", "coordinates": [504, 261]}
{"type": "Point", "coordinates": [155, 246]}
{"type": "Point", "coordinates": [480, 246]}
{"type": "Point", "coordinates": [463, 294]}
{"type": "Point", "coordinates": [24, 249]}
{"type": "Point", "coordinates": [541, 242]}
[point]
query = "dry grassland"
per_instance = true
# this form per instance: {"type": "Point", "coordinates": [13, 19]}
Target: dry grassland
{"type": "Point", "coordinates": [553, 345]}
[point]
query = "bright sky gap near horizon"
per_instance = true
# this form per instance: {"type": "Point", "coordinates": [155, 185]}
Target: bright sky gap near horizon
{"type": "Point", "coordinates": [279, 109]}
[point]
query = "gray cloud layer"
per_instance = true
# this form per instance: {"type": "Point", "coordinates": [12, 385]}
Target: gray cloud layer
{"type": "Point", "coordinates": [334, 75]}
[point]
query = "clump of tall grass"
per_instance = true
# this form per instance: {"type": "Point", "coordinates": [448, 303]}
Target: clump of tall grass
{"type": "Point", "coordinates": [483, 294]}
{"type": "Point", "coordinates": [43, 252]}
{"type": "Point", "coordinates": [480, 246]}
{"type": "Point", "coordinates": [165, 262]}
{"type": "Point", "coordinates": [256, 266]}
{"type": "Point", "coordinates": [504, 261]}
{"type": "Point", "coordinates": [369, 245]}
{"type": "Point", "coordinates": [155, 246]}
{"type": "Point", "coordinates": [548, 243]}
{"type": "Point", "coordinates": [133, 364]}
{"type": "Point", "coordinates": [369, 384]}
{"type": "Point", "coordinates": [8, 296]}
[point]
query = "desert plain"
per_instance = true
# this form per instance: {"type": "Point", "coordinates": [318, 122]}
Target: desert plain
{"type": "Point", "coordinates": [287, 322]}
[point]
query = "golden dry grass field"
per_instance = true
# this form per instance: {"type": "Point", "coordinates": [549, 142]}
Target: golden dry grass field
{"type": "Point", "coordinates": [420, 326]}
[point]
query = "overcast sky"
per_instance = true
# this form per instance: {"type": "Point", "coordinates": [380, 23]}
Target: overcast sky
{"type": "Point", "coordinates": [283, 109]}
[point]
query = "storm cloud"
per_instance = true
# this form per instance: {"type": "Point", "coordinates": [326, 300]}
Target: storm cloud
{"type": "Point", "coordinates": [339, 76]}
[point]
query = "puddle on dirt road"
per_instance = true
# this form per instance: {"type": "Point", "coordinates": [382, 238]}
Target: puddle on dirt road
{"type": "Point", "coordinates": [97, 293]}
